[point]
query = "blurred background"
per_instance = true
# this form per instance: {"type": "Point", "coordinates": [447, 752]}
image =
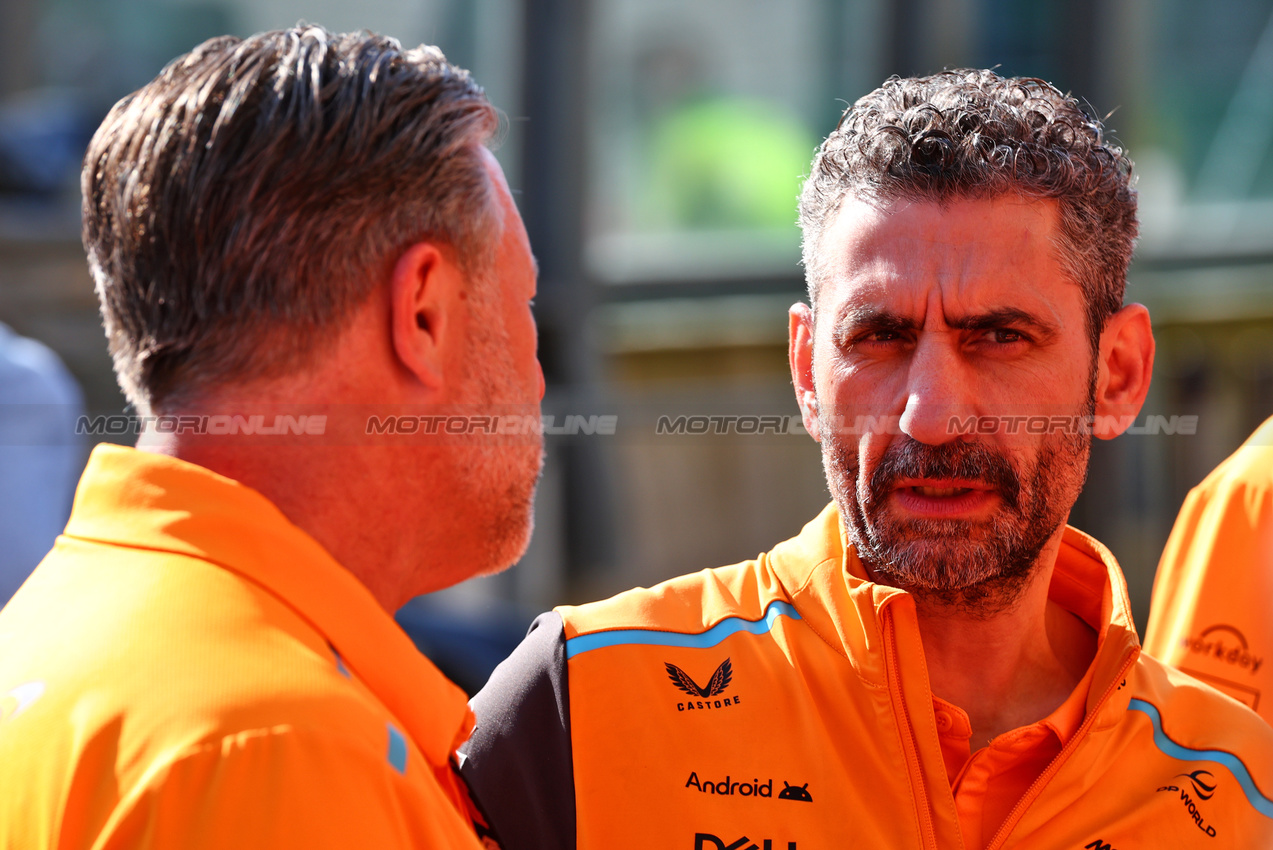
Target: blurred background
{"type": "Point", "coordinates": [656, 148]}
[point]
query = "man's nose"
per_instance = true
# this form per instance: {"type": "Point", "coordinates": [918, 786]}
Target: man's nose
{"type": "Point", "coordinates": [939, 393]}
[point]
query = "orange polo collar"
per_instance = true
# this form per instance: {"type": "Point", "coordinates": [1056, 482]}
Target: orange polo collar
{"type": "Point", "coordinates": [134, 498]}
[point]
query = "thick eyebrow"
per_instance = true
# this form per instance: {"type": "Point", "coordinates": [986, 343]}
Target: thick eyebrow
{"type": "Point", "coordinates": [855, 319]}
{"type": "Point", "coordinates": [1003, 317]}
{"type": "Point", "coordinates": [865, 317]}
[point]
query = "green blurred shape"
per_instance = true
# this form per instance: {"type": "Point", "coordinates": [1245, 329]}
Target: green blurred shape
{"type": "Point", "coordinates": [725, 162]}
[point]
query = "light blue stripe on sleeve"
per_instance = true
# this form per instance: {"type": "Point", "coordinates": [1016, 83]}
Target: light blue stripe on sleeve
{"type": "Point", "coordinates": [1262, 804]}
{"type": "Point", "coordinates": [397, 750]}
{"type": "Point", "coordinates": [702, 640]}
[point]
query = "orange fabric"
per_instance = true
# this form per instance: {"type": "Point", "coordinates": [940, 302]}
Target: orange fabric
{"type": "Point", "coordinates": [698, 706]}
{"type": "Point", "coordinates": [988, 783]}
{"type": "Point", "coordinates": [192, 670]}
{"type": "Point", "coordinates": [1211, 614]}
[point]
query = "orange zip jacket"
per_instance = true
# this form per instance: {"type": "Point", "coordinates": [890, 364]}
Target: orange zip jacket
{"type": "Point", "coordinates": [783, 704]}
{"type": "Point", "coordinates": [1212, 611]}
{"type": "Point", "coordinates": [187, 669]}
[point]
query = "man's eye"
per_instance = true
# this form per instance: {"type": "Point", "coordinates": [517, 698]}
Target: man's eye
{"type": "Point", "coordinates": [1006, 336]}
{"type": "Point", "coordinates": [868, 339]}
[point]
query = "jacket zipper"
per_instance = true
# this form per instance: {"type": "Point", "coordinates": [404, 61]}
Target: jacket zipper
{"type": "Point", "coordinates": [909, 745]}
{"type": "Point", "coordinates": [1009, 823]}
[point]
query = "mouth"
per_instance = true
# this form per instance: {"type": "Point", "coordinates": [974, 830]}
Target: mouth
{"type": "Point", "coordinates": [944, 498]}
{"type": "Point", "coordinates": [941, 491]}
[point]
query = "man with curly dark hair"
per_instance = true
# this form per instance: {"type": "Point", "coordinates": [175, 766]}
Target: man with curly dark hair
{"type": "Point", "coordinates": [937, 660]}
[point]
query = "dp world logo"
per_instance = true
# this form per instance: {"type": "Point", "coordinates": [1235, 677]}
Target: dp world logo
{"type": "Point", "coordinates": [704, 696]}
{"type": "Point", "coordinates": [1204, 783]}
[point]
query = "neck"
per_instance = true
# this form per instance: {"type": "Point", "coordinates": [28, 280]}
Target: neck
{"type": "Point", "coordinates": [399, 516]}
{"type": "Point", "coordinates": [318, 491]}
{"type": "Point", "coordinates": [1013, 668]}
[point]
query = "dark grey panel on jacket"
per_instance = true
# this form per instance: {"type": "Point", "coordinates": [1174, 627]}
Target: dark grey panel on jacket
{"type": "Point", "coordinates": [518, 763]}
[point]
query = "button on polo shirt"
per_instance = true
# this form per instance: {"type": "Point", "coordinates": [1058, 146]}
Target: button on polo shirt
{"type": "Point", "coordinates": [989, 782]}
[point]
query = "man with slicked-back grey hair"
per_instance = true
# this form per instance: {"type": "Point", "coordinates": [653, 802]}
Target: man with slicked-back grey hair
{"type": "Point", "coordinates": [937, 660]}
{"type": "Point", "coordinates": [293, 236]}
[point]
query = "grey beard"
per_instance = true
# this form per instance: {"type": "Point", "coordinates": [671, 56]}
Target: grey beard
{"type": "Point", "coordinates": [982, 568]}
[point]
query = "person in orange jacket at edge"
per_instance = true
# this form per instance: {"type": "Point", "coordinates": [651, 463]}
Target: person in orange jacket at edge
{"type": "Point", "coordinates": [937, 660]}
{"type": "Point", "coordinates": [1212, 608]}
{"type": "Point", "coordinates": [290, 234]}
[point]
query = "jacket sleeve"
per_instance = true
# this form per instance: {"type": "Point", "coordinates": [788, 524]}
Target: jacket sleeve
{"type": "Point", "coordinates": [518, 763]}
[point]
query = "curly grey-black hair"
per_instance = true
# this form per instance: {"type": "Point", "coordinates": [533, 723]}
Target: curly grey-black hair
{"type": "Point", "coordinates": [973, 134]}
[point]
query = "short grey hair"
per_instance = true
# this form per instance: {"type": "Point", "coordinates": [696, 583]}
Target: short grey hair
{"type": "Point", "coordinates": [240, 206]}
{"type": "Point", "coordinates": [973, 134]}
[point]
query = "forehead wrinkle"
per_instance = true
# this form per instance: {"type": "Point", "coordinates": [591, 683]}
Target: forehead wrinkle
{"type": "Point", "coordinates": [862, 313]}
{"type": "Point", "coordinates": [899, 269]}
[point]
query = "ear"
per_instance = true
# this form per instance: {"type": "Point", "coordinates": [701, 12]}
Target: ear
{"type": "Point", "coordinates": [800, 357]}
{"type": "Point", "coordinates": [1126, 365]}
{"type": "Point", "coordinates": [423, 289]}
